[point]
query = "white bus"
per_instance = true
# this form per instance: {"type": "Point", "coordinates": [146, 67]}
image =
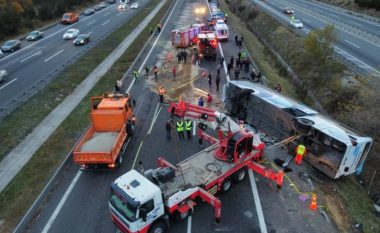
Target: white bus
{"type": "Point", "coordinates": [221, 30]}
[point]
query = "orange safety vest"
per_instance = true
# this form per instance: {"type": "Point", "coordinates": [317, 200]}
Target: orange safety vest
{"type": "Point", "coordinates": [301, 149]}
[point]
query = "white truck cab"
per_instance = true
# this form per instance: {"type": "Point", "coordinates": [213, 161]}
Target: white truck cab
{"type": "Point", "coordinates": [221, 30]}
{"type": "Point", "coordinates": [135, 202]}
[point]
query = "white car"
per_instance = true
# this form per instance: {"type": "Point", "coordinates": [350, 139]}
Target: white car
{"type": "Point", "coordinates": [70, 34]}
{"type": "Point", "coordinates": [135, 5]}
{"type": "Point", "coordinates": [122, 6]}
{"type": "Point", "coordinates": [1, 54]}
{"type": "Point", "coordinates": [3, 74]}
{"type": "Point", "coordinates": [296, 23]}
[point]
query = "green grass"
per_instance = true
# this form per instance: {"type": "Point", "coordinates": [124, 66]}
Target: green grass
{"type": "Point", "coordinates": [21, 192]}
{"type": "Point", "coordinates": [264, 60]}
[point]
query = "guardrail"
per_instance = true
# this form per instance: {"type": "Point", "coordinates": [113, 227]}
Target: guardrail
{"type": "Point", "coordinates": [49, 186]}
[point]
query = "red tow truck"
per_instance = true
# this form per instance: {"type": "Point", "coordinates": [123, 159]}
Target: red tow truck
{"type": "Point", "coordinates": [147, 202]}
{"type": "Point", "coordinates": [207, 43]}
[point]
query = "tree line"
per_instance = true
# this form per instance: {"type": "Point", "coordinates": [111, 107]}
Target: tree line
{"type": "Point", "coordinates": [369, 3]}
{"type": "Point", "coordinates": [18, 14]}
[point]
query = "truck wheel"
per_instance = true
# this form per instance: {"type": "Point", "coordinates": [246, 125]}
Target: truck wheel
{"type": "Point", "coordinates": [180, 217]}
{"type": "Point", "coordinates": [226, 185]}
{"type": "Point", "coordinates": [158, 227]}
{"type": "Point", "coordinates": [240, 175]}
{"type": "Point", "coordinates": [302, 125]}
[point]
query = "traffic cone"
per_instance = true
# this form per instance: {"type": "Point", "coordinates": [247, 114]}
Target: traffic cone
{"type": "Point", "coordinates": [313, 203]}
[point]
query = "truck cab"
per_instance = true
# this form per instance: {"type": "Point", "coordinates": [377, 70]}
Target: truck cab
{"type": "Point", "coordinates": [69, 18]}
{"type": "Point", "coordinates": [207, 44]}
{"type": "Point", "coordinates": [136, 203]}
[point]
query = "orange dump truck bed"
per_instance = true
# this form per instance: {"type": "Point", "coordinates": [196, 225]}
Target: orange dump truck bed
{"type": "Point", "coordinates": [104, 142]}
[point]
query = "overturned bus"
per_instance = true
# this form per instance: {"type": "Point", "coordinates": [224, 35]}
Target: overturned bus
{"type": "Point", "coordinates": [333, 149]}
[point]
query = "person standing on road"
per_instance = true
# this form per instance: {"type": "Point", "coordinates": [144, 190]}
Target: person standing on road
{"type": "Point", "coordinates": [168, 128]}
{"type": "Point", "coordinates": [236, 39]}
{"type": "Point", "coordinates": [300, 153]}
{"type": "Point", "coordinates": [188, 127]}
{"type": "Point", "coordinates": [200, 102]}
{"type": "Point", "coordinates": [229, 68]}
{"type": "Point", "coordinates": [155, 71]}
{"type": "Point", "coordinates": [180, 129]}
{"type": "Point", "coordinates": [146, 71]}
{"type": "Point", "coordinates": [118, 86]}
{"type": "Point", "coordinates": [218, 67]}
{"type": "Point", "coordinates": [209, 77]}
{"type": "Point", "coordinates": [253, 75]}
{"type": "Point", "coordinates": [184, 54]}
{"type": "Point", "coordinates": [217, 81]}
{"type": "Point", "coordinates": [232, 60]}
{"type": "Point", "coordinates": [174, 71]}
{"type": "Point", "coordinates": [135, 74]}
{"type": "Point", "coordinates": [161, 93]}
{"type": "Point", "coordinates": [221, 60]}
{"type": "Point", "coordinates": [209, 98]}
{"type": "Point", "coordinates": [237, 72]}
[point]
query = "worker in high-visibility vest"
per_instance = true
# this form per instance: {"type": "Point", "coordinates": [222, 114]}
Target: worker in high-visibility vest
{"type": "Point", "coordinates": [188, 127]}
{"type": "Point", "coordinates": [135, 74]}
{"type": "Point", "coordinates": [300, 153]}
{"type": "Point", "coordinates": [180, 129]}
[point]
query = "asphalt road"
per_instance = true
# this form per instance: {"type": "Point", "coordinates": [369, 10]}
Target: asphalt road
{"type": "Point", "coordinates": [43, 58]}
{"type": "Point", "coordinates": [78, 203]}
{"type": "Point", "coordinates": [358, 39]}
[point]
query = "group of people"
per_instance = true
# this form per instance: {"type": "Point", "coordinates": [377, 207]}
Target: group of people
{"type": "Point", "coordinates": [182, 56]}
{"type": "Point", "coordinates": [239, 41]}
{"type": "Point", "coordinates": [181, 126]}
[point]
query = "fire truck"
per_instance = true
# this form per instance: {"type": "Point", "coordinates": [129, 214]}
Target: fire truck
{"type": "Point", "coordinates": [148, 202]}
{"type": "Point", "coordinates": [207, 44]}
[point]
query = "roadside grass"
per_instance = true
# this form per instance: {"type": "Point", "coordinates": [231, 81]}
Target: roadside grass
{"type": "Point", "coordinates": [21, 192]}
{"type": "Point", "coordinates": [264, 60]}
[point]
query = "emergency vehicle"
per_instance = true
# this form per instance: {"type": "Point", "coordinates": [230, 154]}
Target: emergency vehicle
{"type": "Point", "coordinates": [221, 30]}
{"type": "Point", "coordinates": [147, 202]}
{"type": "Point", "coordinates": [185, 37]}
{"type": "Point", "coordinates": [207, 44]}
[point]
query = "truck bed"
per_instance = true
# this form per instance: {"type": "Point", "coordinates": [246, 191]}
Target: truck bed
{"type": "Point", "coordinates": [192, 172]}
{"type": "Point", "coordinates": [100, 141]}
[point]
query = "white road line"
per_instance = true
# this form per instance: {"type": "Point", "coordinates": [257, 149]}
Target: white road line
{"type": "Point", "coordinates": [259, 210]}
{"type": "Point", "coordinates": [365, 66]}
{"type": "Point", "coordinates": [155, 115]}
{"type": "Point", "coordinates": [91, 23]}
{"type": "Point", "coordinates": [352, 44]}
{"type": "Point", "coordinates": [189, 224]}
{"type": "Point", "coordinates": [151, 49]}
{"type": "Point", "coordinates": [360, 25]}
{"type": "Point", "coordinates": [37, 53]}
{"type": "Point", "coordinates": [106, 22]}
{"type": "Point", "coordinates": [106, 14]}
{"type": "Point", "coordinates": [54, 55]}
{"type": "Point", "coordinates": [8, 83]}
{"type": "Point", "coordinates": [61, 203]}
{"type": "Point", "coordinates": [119, 13]}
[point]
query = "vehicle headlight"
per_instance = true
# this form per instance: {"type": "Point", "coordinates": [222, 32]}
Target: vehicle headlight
{"type": "Point", "coordinates": [82, 41]}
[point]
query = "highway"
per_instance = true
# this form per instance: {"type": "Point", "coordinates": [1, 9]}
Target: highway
{"type": "Point", "coordinates": [358, 39]}
{"type": "Point", "coordinates": [79, 201]}
{"type": "Point", "coordinates": [43, 59]}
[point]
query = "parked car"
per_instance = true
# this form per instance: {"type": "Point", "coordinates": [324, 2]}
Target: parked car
{"type": "Point", "coordinates": [70, 34]}
{"type": "Point", "coordinates": [3, 75]}
{"type": "Point", "coordinates": [82, 39]}
{"type": "Point", "coordinates": [296, 23]}
{"type": "Point", "coordinates": [122, 6]}
{"type": "Point", "coordinates": [135, 5]}
{"type": "Point", "coordinates": [11, 45]}
{"type": "Point", "coordinates": [98, 7]}
{"type": "Point", "coordinates": [288, 11]}
{"type": "Point", "coordinates": [35, 35]}
{"type": "Point", "coordinates": [89, 11]}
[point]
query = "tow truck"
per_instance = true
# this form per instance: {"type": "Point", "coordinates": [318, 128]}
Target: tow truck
{"type": "Point", "coordinates": [148, 201]}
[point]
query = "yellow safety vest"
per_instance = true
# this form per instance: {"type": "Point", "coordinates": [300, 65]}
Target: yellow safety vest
{"type": "Point", "coordinates": [301, 149]}
{"type": "Point", "coordinates": [188, 125]}
{"type": "Point", "coordinates": [180, 126]}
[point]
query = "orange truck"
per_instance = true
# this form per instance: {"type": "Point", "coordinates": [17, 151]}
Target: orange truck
{"type": "Point", "coordinates": [69, 18]}
{"type": "Point", "coordinates": [105, 141]}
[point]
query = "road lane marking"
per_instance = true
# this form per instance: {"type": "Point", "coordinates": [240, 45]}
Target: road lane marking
{"type": "Point", "coordinates": [106, 22]}
{"type": "Point", "coordinates": [352, 44]}
{"type": "Point", "coordinates": [259, 210]}
{"type": "Point", "coordinates": [360, 25]}
{"type": "Point", "coordinates": [54, 55]}
{"type": "Point", "coordinates": [61, 203]}
{"type": "Point", "coordinates": [189, 224]}
{"type": "Point", "coordinates": [8, 83]}
{"type": "Point", "coordinates": [106, 14]}
{"type": "Point", "coordinates": [91, 23]}
{"type": "Point", "coordinates": [119, 13]}
{"type": "Point", "coordinates": [37, 53]}
{"type": "Point", "coordinates": [364, 66]}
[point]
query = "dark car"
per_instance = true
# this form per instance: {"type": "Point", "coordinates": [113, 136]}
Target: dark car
{"type": "Point", "coordinates": [82, 39]}
{"type": "Point", "coordinates": [288, 11]}
{"type": "Point", "coordinates": [89, 11]}
{"type": "Point", "coordinates": [11, 45]}
{"type": "Point", "coordinates": [98, 7]}
{"type": "Point", "coordinates": [35, 35]}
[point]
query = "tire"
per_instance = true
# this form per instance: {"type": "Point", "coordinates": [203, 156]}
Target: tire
{"type": "Point", "coordinates": [226, 185]}
{"type": "Point", "coordinates": [180, 217]}
{"type": "Point", "coordinates": [240, 175]}
{"type": "Point", "coordinates": [158, 227]}
{"type": "Point", "coordinates": [302, 125]}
